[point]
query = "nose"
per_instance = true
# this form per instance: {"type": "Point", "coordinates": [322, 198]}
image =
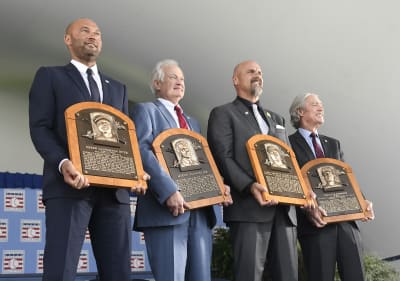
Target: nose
{"type": "Point", "coordinates": [180, 83]}
{"type": "Point", "coordinates": [94, 35]}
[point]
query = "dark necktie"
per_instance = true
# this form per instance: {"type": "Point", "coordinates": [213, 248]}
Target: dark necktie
{"type": "Point", "coordinates": [318, 150]}
{"type": "Point", "coordinates": [182, 121]}
{"type": "Point", "coordinates": [94, 90]}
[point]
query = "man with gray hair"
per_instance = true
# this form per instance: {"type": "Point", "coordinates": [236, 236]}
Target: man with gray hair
{"type": "Point", "coordinates": [323, 246]}
{"type": "Point", "coordinates": [178, 241]}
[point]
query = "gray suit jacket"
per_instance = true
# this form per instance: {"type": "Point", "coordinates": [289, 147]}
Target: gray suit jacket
{"type": "Point", "coordinates": [229, 128]}
{"type": "Point", "coordinates": [151, 119]}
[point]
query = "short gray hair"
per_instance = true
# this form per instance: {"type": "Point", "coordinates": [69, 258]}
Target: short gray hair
{"type": "Point", "coordinates": [297, 104]}
{"type": "Point", "coordinates": [158, 72]}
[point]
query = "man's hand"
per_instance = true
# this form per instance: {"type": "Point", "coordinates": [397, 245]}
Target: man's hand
{"type": "Point", "coordinates": [72, 176]}
{"type": "Point", "coordinates": [315, 215]}
{"type": "Point", "coordinates": [370, 215]}
{"type": "Point", "coordinates": [141, 190]}
{"type": "Point", "coordinates": [227, 196]}
{"type": "Point", "coordinates": [176, 204]}
{"type": "Point", "coordinates": [257, 190]}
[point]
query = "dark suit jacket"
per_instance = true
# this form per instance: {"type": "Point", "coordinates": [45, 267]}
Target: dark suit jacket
{"type": "Point", "coordinates": [151, 119]}
{"type": "Point", "coordinates": [304, 154]}
{"type": "Point", "coordinates": [53, 90]}
{"type": "Point", "coordinates": [229, 128]}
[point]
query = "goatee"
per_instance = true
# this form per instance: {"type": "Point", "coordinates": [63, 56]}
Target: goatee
{"type": "Point", "coordinates": [256, 91]}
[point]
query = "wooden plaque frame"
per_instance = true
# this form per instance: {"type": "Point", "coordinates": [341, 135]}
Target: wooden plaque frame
{"type": "Point", "coordinates": [195, 166]}
{"type": "Point", "coordinates": [341, 191]}
{"type": "Point", "coordinates": [107, 160]}
{"type": "Point", "coordinates": [276, 168]}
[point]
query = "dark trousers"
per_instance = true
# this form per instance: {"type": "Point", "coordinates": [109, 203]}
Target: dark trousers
{"type": "Point", "coordinates": [109, 225]}
{"type": "Point", "coordinates": [338, 243]}
{"type": "Point", "coordinates": [255, 244]}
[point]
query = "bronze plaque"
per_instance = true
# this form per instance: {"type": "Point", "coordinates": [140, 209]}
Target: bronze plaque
{"type": "Point", "coordinates": [275, 167]}
{"type": "Point", "coordinates": [103, 145]}
{"type": "Point", "coordinates": [336, 189]}
{"type": "Point", "coordinates": [185, 155]}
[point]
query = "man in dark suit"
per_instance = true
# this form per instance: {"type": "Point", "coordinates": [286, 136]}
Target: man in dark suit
{"type": "Point", "coordinates": [261, 230]}
{"type": "Point", "coordinates": [72, 205]}
{"type": "Point", "coordinates": [178, 241]}
{"type": "Point", "coordinates": [323, 245]}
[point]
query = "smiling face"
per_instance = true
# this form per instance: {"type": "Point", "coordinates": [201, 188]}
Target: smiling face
{"type": "Point", "coordinates": [329, 177]}
{"type": "Point", "coordinates": [312, 114]}
{"type": "Point", "coordinates": [248, 81]}
{"type": "Point", "coordinates": [172, 86]}
{"type": "Point", "coordinates": [83, 39]}
{"type": "Point", "coordinates": [104, 126]}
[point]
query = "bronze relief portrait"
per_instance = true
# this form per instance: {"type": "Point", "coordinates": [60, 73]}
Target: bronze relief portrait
{"type": "Point", "coordinates": [275, 157]}
{"type": "Point", "coordinates": [185, 154]}
{"type": "Point", "coordinates": [329, 178]}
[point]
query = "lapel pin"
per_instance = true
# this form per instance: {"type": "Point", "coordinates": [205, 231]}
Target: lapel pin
{"type": "Point", "coordinates": [107, 81]}
{"type": "Point", "coordinates": [246, 113]}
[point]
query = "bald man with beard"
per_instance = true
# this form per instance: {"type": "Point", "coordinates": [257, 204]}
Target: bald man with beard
{"type": "Point", "coordinates": [262, 231]}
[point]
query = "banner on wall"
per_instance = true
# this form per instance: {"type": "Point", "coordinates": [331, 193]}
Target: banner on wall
{"type": "Point", "coordinates": [22, 229]}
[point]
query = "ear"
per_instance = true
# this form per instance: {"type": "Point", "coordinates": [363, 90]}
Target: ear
{"type": "Point", "coordinates": [300, 112]}
{"type": "Point", "coordinates": [67, 39]}
{"type": "Point", "coordinates": [157, 85]}
{"type": "Point", "coordinates": [235, 80]}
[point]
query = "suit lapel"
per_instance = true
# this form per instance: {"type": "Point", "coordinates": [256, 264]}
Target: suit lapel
{"type": "Point", "coordinates": [76, 77]}
{"type": "Point", "coordinates": [189, 121]}
{"type": "Point", "coordinates": [326, 146]}
{"type": "Point", "coordinates": [271, 123]}
{"type": "Point", "coordinates": [245, 113]}
{"type": "Point", "coordinates": [105, 84]}
{"type": "Point", "coordinates": [170, 119]}
{"type": "Point", "coordinates": [301, 142]}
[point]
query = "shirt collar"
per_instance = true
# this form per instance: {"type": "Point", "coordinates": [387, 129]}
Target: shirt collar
{"type": "Point", "coordinates": [82, 68]}
{"type": "Point", "coordinates": [169, 105]}
{"type": "Point", "coordinates": [248, 103]}
{"type": "Point", "coordinates": [306, 133]}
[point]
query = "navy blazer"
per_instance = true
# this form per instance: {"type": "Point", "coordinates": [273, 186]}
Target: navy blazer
{"type": "Point", "coordinates": [151, 119]}
{"type": "Point", "coordinates": [53, 90]}
{"type": "Point", "coordinates": [230, 126]}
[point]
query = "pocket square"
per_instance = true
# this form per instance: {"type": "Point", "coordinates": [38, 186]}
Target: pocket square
{"type": "Point", "coordinates": [280, 127]}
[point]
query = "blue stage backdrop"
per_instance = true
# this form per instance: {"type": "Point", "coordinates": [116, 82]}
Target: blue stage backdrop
{"type": "Point", "coordinates": [22, 229]}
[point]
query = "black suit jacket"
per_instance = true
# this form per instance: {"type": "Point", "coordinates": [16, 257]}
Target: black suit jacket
{"type": "Point", "coordinates": [53, 90]}
{"type": "Point", "coordinates": [229, 128]}
{"type": "Point", "coordinates": [304, 154]}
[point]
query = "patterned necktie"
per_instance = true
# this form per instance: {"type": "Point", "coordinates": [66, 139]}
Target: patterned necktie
{"type": "Point", "coordinates": [317, 148]}
{"type": "Point", "coordinates": [261, 122]}
{"type": "Point", "coordinates": [94, 90]}
{"type": "Point", "coordinates": [182, 121]}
